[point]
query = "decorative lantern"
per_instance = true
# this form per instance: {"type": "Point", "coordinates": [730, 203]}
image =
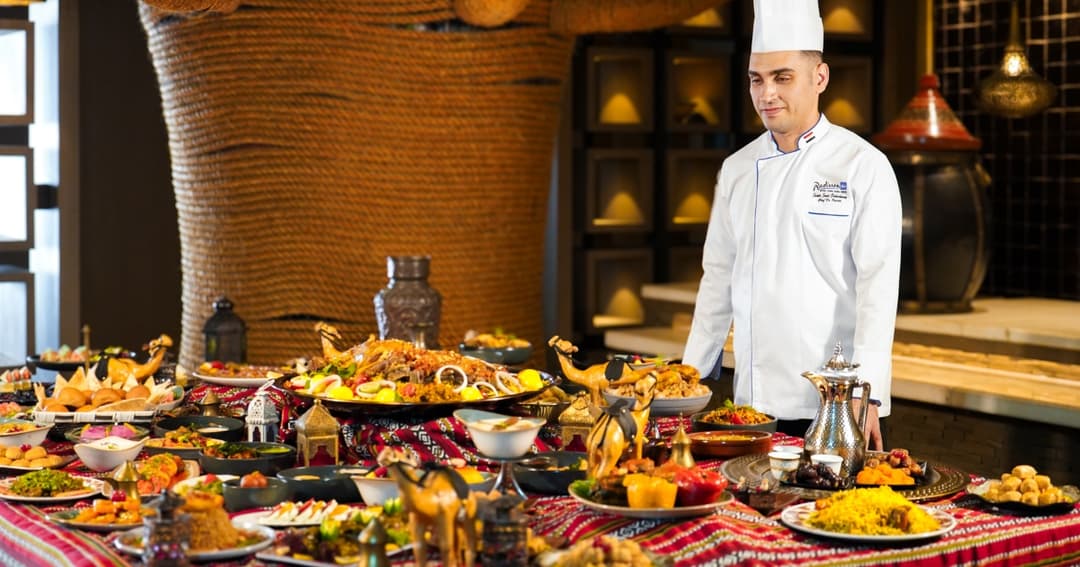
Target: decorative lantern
{"type": "Point", "coordinates": [261, 419]}
{"type": "Point", "coordinates": [225, 333]}
{"type": "Point", "coordinates": [315, 430]}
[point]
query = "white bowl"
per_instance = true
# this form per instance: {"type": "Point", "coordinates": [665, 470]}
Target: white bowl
{"type": "Point", "coordinates": [108, 453]}
{"type": "Point", "coordinates": [500, 442]}
{"type": "Point", "coordinates": [667, 406]}
{"type": "Point", "coordinates": [32, 437]}
{"type": "Point", "coordinates": [375, 491]}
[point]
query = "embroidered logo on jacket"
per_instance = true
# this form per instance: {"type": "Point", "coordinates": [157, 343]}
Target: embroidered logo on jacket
{"type": "Point", "coordinates": [830, 198]}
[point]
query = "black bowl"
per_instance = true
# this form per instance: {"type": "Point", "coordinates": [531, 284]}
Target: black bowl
{"type": "Point", "coordinates": [326, 482]}
{"type": "Point", "coordinates": [238, 498]}
{"type": "Point", "coordinates": [509, 356]}
{"type": "Point", "coordinates": [534, 474]}
{"type": "Point", "coordinates": [224, 428]}
{"type": "Point", "coordinates": [283, 457]}
{"type": "Point", "coordinates": [699, 425]}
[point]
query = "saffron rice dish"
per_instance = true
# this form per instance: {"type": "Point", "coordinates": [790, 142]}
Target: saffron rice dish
{"type": "Point", "coordinates": [871, 511]}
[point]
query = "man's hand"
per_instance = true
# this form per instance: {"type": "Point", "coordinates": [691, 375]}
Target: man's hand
{"type": "Point", "coordinates": [872, 429]}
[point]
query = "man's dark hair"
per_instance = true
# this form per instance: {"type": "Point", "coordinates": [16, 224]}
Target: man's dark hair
{"type": "Point", "coordinates": [815, 56]}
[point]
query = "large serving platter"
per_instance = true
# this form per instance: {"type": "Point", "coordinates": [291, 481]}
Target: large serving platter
{"type": "Point", "coordinates": [65, 460]}
{"type": "Point", "coordinates": [67, 518]}
{"type": "Point", "coordinates": [131, 542]}
{"type": "Point", "coordinates": [795, 517]}
{"type": "Point", "coordinates": [54, 365]}
{"type": "Point", "coordinates": [272, 556]}
{"type": "Point", "coordinates": [941, 481]}
{"type": "Point", "coordinates": [444, 408]}
{"type": "Point", "coordinates": [93, 487]}
{"type": "Point", "coordinates": [241, 381]}
{"type": "Point", "coordinates": [979, 491]}
{"type": "Point", "coordinates": [654, 513]}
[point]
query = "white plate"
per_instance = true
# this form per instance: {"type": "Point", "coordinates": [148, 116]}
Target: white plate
{"type": "Point", "coordinates": [655, 513]}
{"type": "Point", "coordinates": [669, 406]}
{"type": "Point", "coordinates": [64, 461]}
{"type": "Point", "coordinates": [262, 517]}
{"type": "Point", "coordinates": [131, 542]}
{"type": "Point", "coordinates": [243, 381]}
{"type": "Point", "coordinates": [232, 380]}
{"type": "Point", "coordinates": [795, 517]}
{"type": "Point", "coordinates": [95, 486]}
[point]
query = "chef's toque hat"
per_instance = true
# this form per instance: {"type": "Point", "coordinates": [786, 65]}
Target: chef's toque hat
{"type": "Point", "coordinates": [787, 25]}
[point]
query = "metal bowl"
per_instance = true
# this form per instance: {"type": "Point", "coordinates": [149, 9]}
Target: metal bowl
{"type": "Point", "coordinates": [539, 473]}
{"type": "Point", "coordinates": [326, 482]}
{"type": "Point", "coordinates": [699, 425]}
{"type": "Point", "coordinates": [224, 428]}
{"type": "Point", "coordinates": [267, 463]}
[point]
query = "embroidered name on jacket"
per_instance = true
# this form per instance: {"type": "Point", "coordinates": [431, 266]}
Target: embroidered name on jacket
{"type": "Point", "coordinates": [830, 198]}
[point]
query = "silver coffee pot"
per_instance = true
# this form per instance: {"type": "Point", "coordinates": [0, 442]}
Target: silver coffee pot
{"type": "Point", "coordinates": [834, 430]}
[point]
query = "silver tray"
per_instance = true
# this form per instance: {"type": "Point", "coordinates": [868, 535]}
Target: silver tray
{"type": "Point", "coordinates": [754, 467]}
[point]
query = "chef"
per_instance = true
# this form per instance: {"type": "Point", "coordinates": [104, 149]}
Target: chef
{"type": "Point", "coordinates": [803, 245]}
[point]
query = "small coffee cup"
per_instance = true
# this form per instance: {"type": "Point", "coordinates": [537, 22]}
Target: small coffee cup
{"type": "Point", "coordinates": [783, 463]}
{"type": "Point", "coordinates": [834, 462]}
{"type": "Point", "coordinates": [788, 449]}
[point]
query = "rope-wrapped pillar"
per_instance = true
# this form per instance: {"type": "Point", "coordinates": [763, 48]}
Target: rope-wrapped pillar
{"type": "Point", "coordinates": [310, 140]}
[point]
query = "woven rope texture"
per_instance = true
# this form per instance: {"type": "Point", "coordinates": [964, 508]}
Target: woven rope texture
{"type": "Point", "coordinates": [310, 140]}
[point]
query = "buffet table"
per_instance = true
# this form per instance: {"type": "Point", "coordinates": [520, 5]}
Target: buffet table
{"type": "Point", "coordinates": [734, 535]}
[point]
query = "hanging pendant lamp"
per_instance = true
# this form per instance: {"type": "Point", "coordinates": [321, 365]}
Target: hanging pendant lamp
{"type": "Point", "coordinates": [1014, 90]}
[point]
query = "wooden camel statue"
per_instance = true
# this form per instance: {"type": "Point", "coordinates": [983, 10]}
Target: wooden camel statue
{"type": "Point", "coordinates": [122, 367]}
{"type": "Point", "coordinates": [597, 377]}
{"type": "Point", "coordinates": [613, 431]}
{"type": "Point", "coordinates": [439, 501]}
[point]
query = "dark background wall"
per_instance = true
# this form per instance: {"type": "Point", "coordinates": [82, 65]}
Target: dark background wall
{"type": "Point", "coordinates": [1035, 161]}
{"type": "Point", "coordinates": [983, 444]}
{"type": "Point", "coordinates": [130, 244]}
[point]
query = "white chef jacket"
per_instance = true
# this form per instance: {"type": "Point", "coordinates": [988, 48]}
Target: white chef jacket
{"type": "Point", "coordinates": [803, 250]}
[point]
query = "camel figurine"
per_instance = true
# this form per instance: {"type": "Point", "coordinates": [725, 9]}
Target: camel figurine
{"type": "Point", "coordinates": [122, 367]}
{"type": "Point", "coordinates": [597, 377]}
{"type": "Point", "coordinates": [438, 500]}
{"type": "Point", "coordinates": [330, 338]}
{"type": "Point", "coordinates": [620, 424]}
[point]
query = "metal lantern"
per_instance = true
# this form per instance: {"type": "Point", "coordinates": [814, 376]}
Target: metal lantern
{"type": "Point", "coordinates": [261, 419]}
{"type": "Point", "coordinates": [317, 429]}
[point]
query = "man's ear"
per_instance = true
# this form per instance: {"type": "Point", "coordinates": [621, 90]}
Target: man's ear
{"type": "Point", "coordinates": [821, 77]}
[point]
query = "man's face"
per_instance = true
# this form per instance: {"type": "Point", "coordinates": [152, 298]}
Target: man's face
{"type": "Point", "coordinates": [784, 86]}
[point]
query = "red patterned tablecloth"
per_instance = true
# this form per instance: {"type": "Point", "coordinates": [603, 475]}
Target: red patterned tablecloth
{"type": "Point", "coordinates": [734, 535]}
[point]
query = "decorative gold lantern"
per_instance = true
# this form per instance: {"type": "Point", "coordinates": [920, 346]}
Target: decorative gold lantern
{"type": "Point", "coordinates": [317, 429]}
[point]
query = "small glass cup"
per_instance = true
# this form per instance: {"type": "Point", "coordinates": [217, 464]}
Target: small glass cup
{"type": "Point", "coordinates": [834, 462]}
{"type": "Point", "coordinates": [783, 463]}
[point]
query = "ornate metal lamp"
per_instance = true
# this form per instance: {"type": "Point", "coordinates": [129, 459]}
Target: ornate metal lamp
{"type": "Point", "coordinates": [315, 430]}
{"type": "Point", "coordinates": [1013, 90]}
{"type": "Point", "coordinates": [261, 419]}
{"type": "Point", "coordinates": [944, 249]}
